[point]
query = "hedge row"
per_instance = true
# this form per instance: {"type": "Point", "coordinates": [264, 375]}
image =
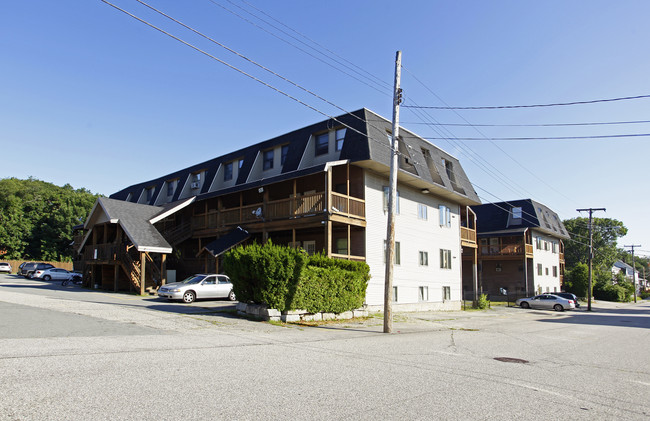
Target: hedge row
{"type": "Point", "coordinates": [285, 278]}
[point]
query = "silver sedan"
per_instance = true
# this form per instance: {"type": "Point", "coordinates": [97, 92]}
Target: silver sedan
{"type": "Point", "coordinates": [198, 287]}
{"type": "Point", "coordinates": [546, 301]}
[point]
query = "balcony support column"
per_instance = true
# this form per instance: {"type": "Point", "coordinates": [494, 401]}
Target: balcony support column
{"type": "Point", "coordinates": [328, 211]}
{"type": "Point", "coordinates": [143, 263]}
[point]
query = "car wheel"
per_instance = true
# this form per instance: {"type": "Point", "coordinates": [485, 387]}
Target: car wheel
{"type": "Point", "coordinates": [47, 278]}
{"type": "Point", "coordinates": [189, 297]}
{"type": "Point", "coordinates": [231, 296]}
{"type": "Point", "coordinates": [30, 275]}
{"type": "Point", "coordinates": [524, 304]}
{"type": "Point", "coordinates": [558, 307]}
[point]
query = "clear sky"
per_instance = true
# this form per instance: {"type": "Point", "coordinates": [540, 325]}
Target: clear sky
{"type": "Point", "coordinates": [92, 97]}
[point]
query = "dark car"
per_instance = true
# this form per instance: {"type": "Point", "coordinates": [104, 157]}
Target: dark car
{"type": "Point", "coordinates": [29, 268]}
{"type": "Point", "coordinates": [568, 296]}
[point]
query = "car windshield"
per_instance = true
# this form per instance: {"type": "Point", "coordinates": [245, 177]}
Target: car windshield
{"type": "Point", "coordinates": [192, 280]}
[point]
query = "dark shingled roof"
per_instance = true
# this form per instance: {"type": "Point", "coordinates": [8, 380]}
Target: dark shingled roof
{"type": "Point", "coordinates": [134, 219]}
{"type": "Point", "coordinates": [495, 217]}
{"type": "Point", "coordinates": [366, 140]}
{"type": "Point", "coordinates": [227, 241]}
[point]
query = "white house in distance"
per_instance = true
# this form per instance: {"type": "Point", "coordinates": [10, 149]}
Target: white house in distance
{"type": "Point", "coordinates": [322, 188]}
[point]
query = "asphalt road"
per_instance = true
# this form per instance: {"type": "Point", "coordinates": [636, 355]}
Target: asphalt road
{"type": "Point", "coordinates": [73, 354]}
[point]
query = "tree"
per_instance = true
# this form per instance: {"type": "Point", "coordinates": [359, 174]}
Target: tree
{"type": "Point", "coordinates": [606, 232]}
{"type": "Point", "coordinates": [36, 218]}
{"type": "Point", "coordinates": [578, 280]}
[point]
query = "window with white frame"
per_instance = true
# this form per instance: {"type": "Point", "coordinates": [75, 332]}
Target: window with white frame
{"type": "Point", "coordinates": [386, 193]}
{"type": "Point", "coordinates": [340, 136]}
{"type": "Point", "coordinates": [445, 259]}
{"type": "Point", "coordinates": [446, 293]}
{"type": "Point", "coordinates": [395, 296]}
{"type": "Point", "coordinates": [445, 216]}
{"type": "Point", "coordinates": [309, 246]}
{"type": "Point", "coordinates": [538, 243]}
{"type": "Point", "coordinates": [396, 257]}
{"type": "Point", "coordinates": [539, 269]}
{"type": "Point", "coordinates": [554, 247]}
{"type": "Point", "coordinates": [555, 271]}
{"type": "Point", "coordinates": [423, 293]}
{"type": "Point", "coordinates": [516, 213]}
{"type": "Point", "coordinates": [424, 258]}
{"type": "Point", "coordinates": [322, 144]}
{"type": "Point", "coordinates": [422, 211]}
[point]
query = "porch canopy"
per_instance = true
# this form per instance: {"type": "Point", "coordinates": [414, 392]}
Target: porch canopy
{"type": "Point", "coordinates": [226, 242]}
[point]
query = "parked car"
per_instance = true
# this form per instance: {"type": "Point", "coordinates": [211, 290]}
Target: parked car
{"type": "Point", "coordinates": [546, 301]}
{"type": "Point", "coordinates": [29, 268]}
{"type": "Point", "coordinates": [197, 287]}
{"type": "Point", "coordinates": [57, 274]}
{"type": "Point", "coordinates": [5, 267]}
{"type": "Point", "coordinates": [568, 296]}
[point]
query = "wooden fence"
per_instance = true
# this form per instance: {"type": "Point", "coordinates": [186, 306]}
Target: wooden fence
{"type": "Point", "coordinates": [15, 263]}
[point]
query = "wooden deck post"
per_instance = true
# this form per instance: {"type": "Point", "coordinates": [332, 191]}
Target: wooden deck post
{"type": "Point", "coordinates": [163, 269]}
{"type": "Point", "coordinates": [116, 272]}
{"type": "Point", "coordinates": [143, 262]}
{"type": "Point", "coordinates": [328, 211]}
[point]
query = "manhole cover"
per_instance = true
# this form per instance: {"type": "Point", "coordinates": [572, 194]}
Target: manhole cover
{"type": "Point", "coordinates": [511, 360]}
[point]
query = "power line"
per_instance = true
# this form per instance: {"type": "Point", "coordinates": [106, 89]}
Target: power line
{"type": "Point", "coordinates": [499, 107]}
{"type": "Point", "coordinates": [612, 136]}
{"type": "Point", "coordinates": [537, 125]}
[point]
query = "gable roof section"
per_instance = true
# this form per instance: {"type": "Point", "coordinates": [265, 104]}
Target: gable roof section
{"type": "Point", "coordinates": [134, 219]}
{"type": "Point", "coordinates": [495, 217]}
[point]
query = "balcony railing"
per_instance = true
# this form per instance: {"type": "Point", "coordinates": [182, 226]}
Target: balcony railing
{"type": "Point", "coordinates": [506, 249]}
{"type": "Point", "coordinates": [309, 204]}
{"type": "Point", "coordinates": [467, 236]}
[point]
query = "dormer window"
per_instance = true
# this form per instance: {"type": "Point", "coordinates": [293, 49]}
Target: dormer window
{"type": "Point", "coordinates": [322, 144]}
{"type": "Point", "coordinates": [516, 213]}
{"type": "Point", "coordinates": [196, 177]}
{"type": "Point", "coordinates": [283, 155]}
{"type": "Point", "coordinates": [171, 186]}
{"type": "Point", "coordinates": [268, 159]}
{"type": "Point", "coordinates": [340, 136]}
{"type": "Point", "coordinates": [150, 193]}
{"type": "Point", "coordinates": [227, 172]}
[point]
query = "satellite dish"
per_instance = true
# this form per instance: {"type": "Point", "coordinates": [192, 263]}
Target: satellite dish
{"type": "Point", "coordinates": [258, 212]}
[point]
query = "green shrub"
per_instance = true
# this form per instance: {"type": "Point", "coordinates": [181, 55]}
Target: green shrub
{"type": "Point", "coordinates": [609, 292]}
{"type": "Point", "coordinates": [483, 302]}
{"type": "Point", "coordinates": [285, 278]}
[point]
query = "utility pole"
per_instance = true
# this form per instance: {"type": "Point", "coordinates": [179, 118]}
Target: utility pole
{"type": "Point", "coordinates": [591, 250]}
{"type": "Point", "coordinates": [390, 234]}
{"type": "Point", "coordinates": [633, 268]}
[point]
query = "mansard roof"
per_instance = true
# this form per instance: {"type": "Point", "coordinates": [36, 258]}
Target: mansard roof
{"type": "Point", "coordinates": [366, 143]}
{"type": "Point", "coordinates": [496, 217]}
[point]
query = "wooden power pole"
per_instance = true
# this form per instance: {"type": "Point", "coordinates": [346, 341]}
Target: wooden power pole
{"type": "Point", "coordinates": [633, 268]}
{"type": "Point", "coordinates": [390, 234]}
{"type": "Point", "coordinates": [591, 251]}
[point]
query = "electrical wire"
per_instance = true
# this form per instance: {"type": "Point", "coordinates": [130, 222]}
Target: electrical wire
{"type": "Point", "coordinates": [537, 125]}
{"type": "Point", "coordinates": [499, 107]}
{"type": "Point", "coordinates": [613, 136]}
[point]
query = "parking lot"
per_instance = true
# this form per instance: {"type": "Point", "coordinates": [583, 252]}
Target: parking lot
{"type": "Point", "coordinates": [69, 353]}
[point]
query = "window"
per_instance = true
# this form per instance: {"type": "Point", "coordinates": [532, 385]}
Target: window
{"type": "Point", "coordinates": [171, 186]}
{"type": "Point", "coordinates": [268, 159]}
{"type": "Point", "coordinates": [554, 247]}
{"type": "Point", "coordinates": [555, 271]}
{"type": "Point", "coordinates": [395, 294]}
{"type": "Point", "coordinates": [342, 246]}
{"type": "Point", "coordinates": [516, 213]}
{"type": "Point", "coordinates": [196, 177]}
{"type": "Point", "coordinates": [309, 246]}
{"type": "Point", "coordinates": [424, 258]}
{"type": "Point", "coordinates": [340, 135]}
{"type": "Point", "coordinates": [423, 293]}
{"type": "Point", "coordinates": [283, 155]}
{"type": "Point", "coordinates": [546, 246]}
{"type": "Point", "coordinates": [240, 163]}
{"type": "Point", "coordinates": [386, 192]}
{"type": "Point", "coordinates": [422, 211]}
{"type": "Point", "coordinates": [322, 144]}
{"type": "Point", "coordinates": [446, 293]}
{"type": "Point", "coordinates": [227, 172]}
{"type": "Point", "coordinates": [498, 267]}
{"type": "Point", "coordinates": [150, 193]}
{"type": "Point", "coordinates": [445, 259]}
{"type": "Point", "coordinates": [539, 269]}
{"type": "Point", "coordinates": [396, 257]}
{"type": "Point", "coordinates": [445, 216]}
{"type": "Point", "coordinates": [546, 270]}
{"type": "Point", "coordinates": [538, 242]}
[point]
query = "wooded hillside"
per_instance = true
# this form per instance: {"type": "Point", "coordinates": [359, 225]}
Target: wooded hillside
{"type": "Point", "coordinates": [36, 218]}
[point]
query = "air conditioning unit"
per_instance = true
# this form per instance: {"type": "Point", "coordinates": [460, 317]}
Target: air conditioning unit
{"type": "Point", "coordinates": [195, 185]}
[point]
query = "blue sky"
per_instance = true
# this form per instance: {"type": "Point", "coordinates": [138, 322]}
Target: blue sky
{"type": "Point", "coordinates": [94, 98]}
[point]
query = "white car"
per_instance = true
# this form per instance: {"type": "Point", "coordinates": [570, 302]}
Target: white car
{"type": "Point", "coordinates": [546, 301]}
{"type": "Point", "coordinates": [5, 267]}
{"type": "Point", "coordinates": [52, 273]}
{"type": "Point", "coordinates": [197, 287]}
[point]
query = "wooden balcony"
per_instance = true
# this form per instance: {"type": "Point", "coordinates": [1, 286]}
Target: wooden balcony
{"type": "Point", "coordinates": [293, 207]}
{"type": "Point", "coordinates": [468, 237]}
{"type": "Point", "coordinates": [506, 250]}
